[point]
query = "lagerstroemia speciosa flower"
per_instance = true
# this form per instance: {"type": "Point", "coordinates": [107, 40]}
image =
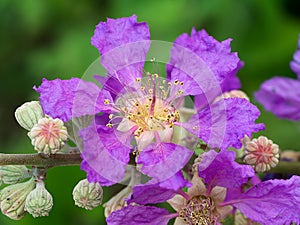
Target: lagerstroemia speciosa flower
{"type": "Point", "coordinates": [281, 95]}
{"type": "Point", "coordinates": [216, 190]}
{"type": "Point", "coordinates": [141, 110]}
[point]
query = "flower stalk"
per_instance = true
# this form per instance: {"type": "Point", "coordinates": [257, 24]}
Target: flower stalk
{"type": "Point", "coordinates": [40, 160]}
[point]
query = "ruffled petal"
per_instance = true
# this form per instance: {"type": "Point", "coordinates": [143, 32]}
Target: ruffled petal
{"type": "Point", "coordinates": [220, 169]}
{"type": "Point", "coordinates": [123, 44]}
{"type": "Point", "coordinates": [137, 215]}
{"type": "Point", "coordinates": [155, 192]}
{"type": "Point", "coordinates": [162, 160]}
{"type": "Point", "coordinates": [231, 82]}
{"type": "Point", "coordinates": [295, 64]}
{"type": "Point", "coordinates": [225, 123]}
{"type": "Point", "coordinates": [281, 96]}
{"type": "Point", "coordinates": [201, 62]}
{"type": "Point", "coordinates": [65, 99]}
{"type": "Point", "coordinates": [271, 202]}
{"type": "Point", "coordinates": [105, 154]}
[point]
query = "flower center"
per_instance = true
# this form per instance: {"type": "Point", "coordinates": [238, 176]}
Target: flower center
{"type": "Point", "coordinates": [150, 108]}
{"type": "Point", "coordinates": [200, 210]}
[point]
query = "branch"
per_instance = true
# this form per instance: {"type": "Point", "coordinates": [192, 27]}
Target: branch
{"type": "Point", "coordinates": [40, 160]}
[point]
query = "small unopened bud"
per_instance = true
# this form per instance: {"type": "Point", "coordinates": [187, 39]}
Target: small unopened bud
{"type": "Point", "coordinates": [290, 156]}
{"type": "Point", "coordinates": [48, 136]}
{"type": "Point", "coordinates": [12, 199]}
{"type": "Point", "coordinates": [39, 202]}
{"type": "Point", "coordinates": [13, 174]}
{"type": "Point", "coordinates": [232, 94]}
{"type": "Point", "coordinates": [117, 202]}
{"type": "Point", "coordinates": [261, 153]}
{"type": "Point", "coordinates": [29, 114]}
{"type": "Point", "coordinates": [87, 195]}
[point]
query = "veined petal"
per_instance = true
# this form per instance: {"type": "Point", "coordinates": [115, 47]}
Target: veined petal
{"type": "Point", "coordinates": [162, 160]}
{"type": "Point", "coordinates": [156, 192]}
{"type": "Point", "coordinates": [123, 44]}
{"type": "Point", "coordinates": [223, 124]}
{"type": "Point", "coordinates": [105, 154]}
{"type": "Point", "coordinates": [271, 202]}
{"type": "Point", "coordinates": [138, 215]}
{"type": "Point", "coordinates": [65, 99]}
{"type": "Point", "coordinates": [220, 169]}
{"type": "Point", "coordinates": [201, 62]}
{"type": "Point", "coordinates": [281, 96]}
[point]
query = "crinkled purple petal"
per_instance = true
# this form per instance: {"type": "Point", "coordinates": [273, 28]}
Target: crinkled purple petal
{"type": "Point", "coordinates": [162, 160]}
{"type": "Point", "coordinates": [295, 64]}
{"type": "Point", "coordinates": [110, 84]}
{"type": "Point", "coordinates": [281, 96]}
{"type": "Point", "coordinates": [65, 99]}
{"type": "Point", "coordinates": [225, 123]}
{"type": "Point", "coordinates": [105, 154]}
{"type": "Point", "coordinates": [220, 169]}
{"type": "Point", "coordinates": [231, 82]}
{"type": "Point", "coordinates": [139, 215]}
{"type": "Point", "coordinates": [156, 192]}
{"type": "Point", "coordinates": [123, 44]}
{"type": "Point", "coordinates": [201, 62]}
{"type": "Point", "coordinates": [271, 202]}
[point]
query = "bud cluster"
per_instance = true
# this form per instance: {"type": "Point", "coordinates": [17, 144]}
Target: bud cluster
{"type": "Point", "coordinates": [18, 198]}
{"type": "Point", "coordinates": [47, 135]}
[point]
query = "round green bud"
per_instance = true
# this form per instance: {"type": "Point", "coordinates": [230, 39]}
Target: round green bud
{"type": "Point", "coordinates": [39, 202]}
{"type": "Point", "coordinates": [87, 195]}
{"type": "Point", "coordinates": [12, 199]}
{"type": "Point", "coordinates": [29, 114]}
{"type": "Point", "coordinates": [14, 174]}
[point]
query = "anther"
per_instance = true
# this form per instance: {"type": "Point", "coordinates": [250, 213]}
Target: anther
{"type": "Point", "coordinates": [106, 101]}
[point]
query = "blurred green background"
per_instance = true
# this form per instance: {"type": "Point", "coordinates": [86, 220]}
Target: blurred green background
{"type": "Point", "coordinates": [52, 39]}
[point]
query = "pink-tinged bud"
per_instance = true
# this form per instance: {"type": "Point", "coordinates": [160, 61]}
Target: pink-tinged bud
{"type": "Point", "coordinates": [232, 94]}
{"type": "Point", "coordinates": [262, 153]}
{"type": "Point", "coordinates": [48, 136]}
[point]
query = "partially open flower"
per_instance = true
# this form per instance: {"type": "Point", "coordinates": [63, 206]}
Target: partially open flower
{"type": "Point", "coordinates": [12, 199]}
{"type": "Point", "coordinates": [13, 174]}
{"type": "Point", "coordinates": [262, 153]}
{"type": "Point", "coordinates": [48, 135]}
{"type": "Point", "coordinates": [39, 201]}
{"type": "Point", "coordinates": [87, 195]}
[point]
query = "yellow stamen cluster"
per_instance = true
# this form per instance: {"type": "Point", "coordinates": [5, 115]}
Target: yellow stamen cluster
{"type": "Point", "coordinates": [150, 108]}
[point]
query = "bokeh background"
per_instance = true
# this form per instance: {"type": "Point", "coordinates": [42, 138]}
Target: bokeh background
{"type": "Point", "coordinates": [52, 39]}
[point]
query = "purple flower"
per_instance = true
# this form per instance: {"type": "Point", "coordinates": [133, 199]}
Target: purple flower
{"type": "Point", "coordinates": [147, 110]}
{"type": "Point", "coordinates": [281, 95]}
{"type": "Point", "coordinates": [215, 192]}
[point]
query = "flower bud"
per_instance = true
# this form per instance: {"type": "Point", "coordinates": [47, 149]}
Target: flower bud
{"type": "Point", "coordinates": [29, 114]}
{"type": "Point", "coordinates": [13, 174]}
{"type": "Point", "coordinates": [48, 136]}
{"type": "Point", "coordinates": [262, 153]}
{"type": "Point", "coordinates": [87, 195]}
{"type": "Point", "coordinates": [12, 199]}
{"type": "Point", "coordinates": [39, 202]}
{"type": "Point", "coordinates": [232, 94]}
